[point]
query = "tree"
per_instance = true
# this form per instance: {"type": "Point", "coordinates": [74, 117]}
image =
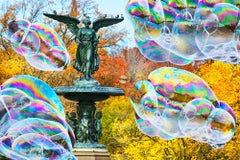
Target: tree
{"type": "Point", "coordinates": [17, 63]}
{"type": "Point", "coordinates": [110, 71]}
{"type": "Point", "coordinates": [224, 79]}
{"type": "Point", "coordinates": [125, 141]}
{"type": "Point", "coordinates": [75, 8]}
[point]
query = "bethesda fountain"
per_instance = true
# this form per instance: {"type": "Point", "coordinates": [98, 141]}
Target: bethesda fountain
{"type": "Point", "coordinates": [86, 90]}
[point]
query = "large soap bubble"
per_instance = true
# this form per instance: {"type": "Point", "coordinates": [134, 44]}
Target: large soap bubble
{"type": "Point", "coordinates": [32, 123]}
{"type": "Point", "coordinates": [183, 31]}
{"type": "Point", "coordinates": [175, 103]}
{"type": "Point", "coordinates": [36, 89]}
{"type": "Point", "coordinates": [40, 45]}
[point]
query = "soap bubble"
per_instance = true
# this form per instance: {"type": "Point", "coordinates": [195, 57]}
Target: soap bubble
{"type": "Point", "coordinates": [221, 127]}
{"type": "Point", "coordinates": [147, 128]}
{"type": "Point", "coordinates": [156, 53]}
{"type": "Point", "coordinates": [175, 103]}
{"type": "Point", "coordinates": [180, 85]}
{"type": "Point", "coordinates": [32, 123]}
{"type": "Point", "coordinates": [148, 103]}
{"type": "Point", "coordinates": [193, 124]}
{"type": "Point", "coordinates": [40, 45]}
{"type": "Point", "coordinates": [187, 30]}
{"type": "Point", "coordinates": [226, 107]}
{"type": "Point", "coordinates": [215, 33]}
{"type": "Point", "coordinates": [36, 89]}
{"type": "Point", "coordinates": [183, 38]}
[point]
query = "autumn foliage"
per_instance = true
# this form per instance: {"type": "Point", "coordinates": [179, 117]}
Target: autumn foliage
{"type": "Point", "coordinates": [120, 133]}
{"type": "Point", "coordinates": [126, 142]}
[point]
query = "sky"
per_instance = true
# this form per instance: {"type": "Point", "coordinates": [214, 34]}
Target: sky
{"type": "Point", "coordinates": [117, 7]}
{"type": "Point", "coordinates": [112, 6]}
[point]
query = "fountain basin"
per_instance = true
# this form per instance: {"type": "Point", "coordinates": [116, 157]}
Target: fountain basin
{"type": "Point", "coordinates": [89, 93]}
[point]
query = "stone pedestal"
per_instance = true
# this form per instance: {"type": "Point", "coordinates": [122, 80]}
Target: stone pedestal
{"type": "Point", "coordinates": [91, 154]}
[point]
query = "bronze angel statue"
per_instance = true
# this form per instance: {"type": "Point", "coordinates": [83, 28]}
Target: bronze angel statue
{"type": "Point", "coordinates": [87, 59]}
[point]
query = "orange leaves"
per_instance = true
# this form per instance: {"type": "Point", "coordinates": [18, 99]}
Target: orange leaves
{"type": "Point", "coordinates": [7, 16]}
{"type": "Point", "coordinates": [110, 71]}
{"type": "Point", "coordinates": [74, 6]}
{"type": "Point", "coordinates": [120, 134]}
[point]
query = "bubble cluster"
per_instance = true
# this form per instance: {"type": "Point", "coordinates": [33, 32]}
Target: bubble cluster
{"type": "Point", "coordinates": [32, 123]}
{"type": "Point", "coordinates": [40, 45]}
{"type": "Point", "coordinates": [182, 31]}
{"type": "Point", "coordinates": [175, 103]}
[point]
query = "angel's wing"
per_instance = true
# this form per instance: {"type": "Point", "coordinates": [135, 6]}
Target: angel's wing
{"type": "Point", "coordinates": [71, 22]}
{"type": "Point", "coordinates": [104, 22]}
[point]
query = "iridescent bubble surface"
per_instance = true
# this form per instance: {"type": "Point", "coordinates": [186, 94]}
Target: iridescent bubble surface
{"type": "Point", "coordinates": [147, 128]}
{"type": "Point", "coordinates": [221, 126]}
{"type": "Point", "coordinates": [36, 89]}
{"type": "Point", "coordinates": [32, 123]}
{"type": "Point", "coordinates": [175, 103]}
{"type": "Point", "coordinates": [39, 44]}
{"type": "Point", "coordinates": [188, 30]}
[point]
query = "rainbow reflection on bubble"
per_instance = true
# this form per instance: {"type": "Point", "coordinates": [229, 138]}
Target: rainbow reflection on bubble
{"type": "Point", "coordinates": [32, 123]}
{"type": "Point", "coordinates": [39, 44]}
{"type": "Point", "coordinates": [36, 89]}
{"type": "Point", "coordinates": [175, 103]}
{"type": "Point", "coordinates": [182, 31]}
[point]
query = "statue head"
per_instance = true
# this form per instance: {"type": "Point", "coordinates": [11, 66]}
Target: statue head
{"type": "Point", "coordinates": [86, 22]}
{"type": "Point", "coordinates": [73, 115]}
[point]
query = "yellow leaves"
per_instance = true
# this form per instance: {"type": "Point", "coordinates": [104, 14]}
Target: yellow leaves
{"type": "Point", "coordinates": [126, 142]}
{"type": "Point", "coordinates": [224, 79]}
{"type": "Point", "coordinates": [72, 48]}
{"type": "Point", "coordinates": [11, 67]}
